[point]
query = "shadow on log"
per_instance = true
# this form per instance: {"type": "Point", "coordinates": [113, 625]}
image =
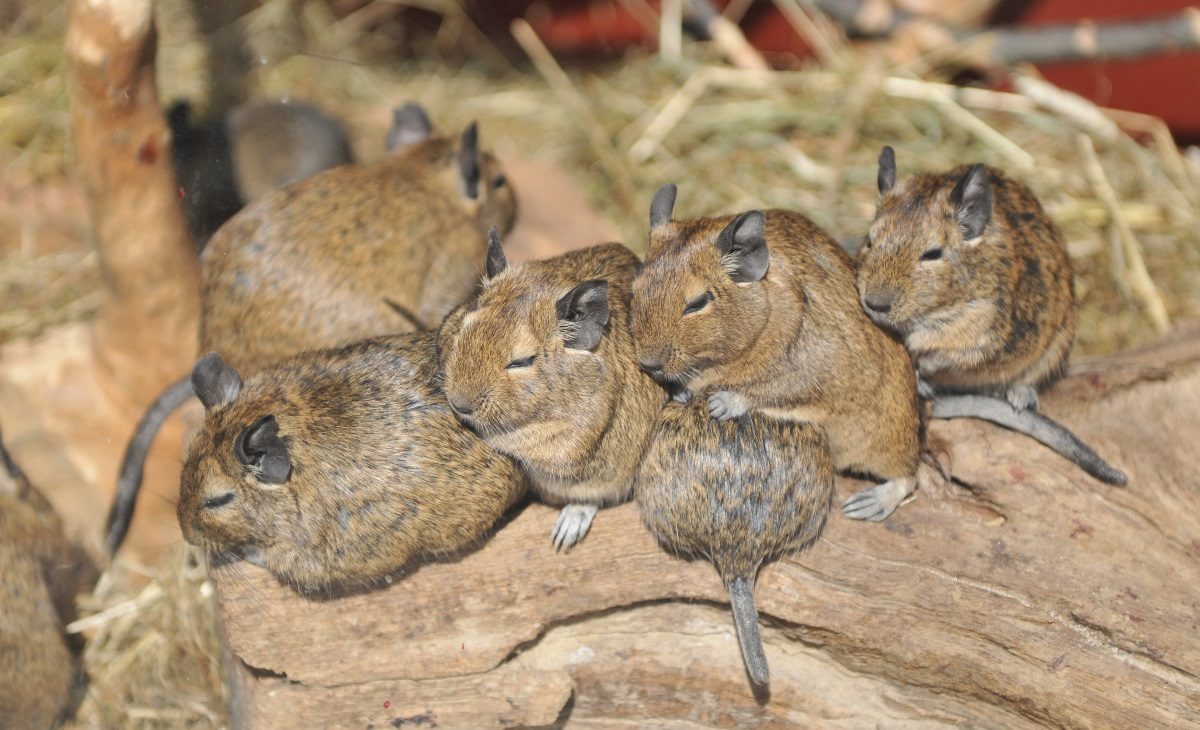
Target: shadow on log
{"type": "Point", "coordinates": [1078, 608]}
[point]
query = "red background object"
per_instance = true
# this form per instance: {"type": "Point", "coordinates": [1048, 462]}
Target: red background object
{"type": "Point", "coordinates": [1166, 86]}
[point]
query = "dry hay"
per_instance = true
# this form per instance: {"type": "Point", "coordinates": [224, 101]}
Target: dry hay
{"type": "Point", "coordinates": [805, 139]}
{"type": "Point", "coordinates": [152, 655]}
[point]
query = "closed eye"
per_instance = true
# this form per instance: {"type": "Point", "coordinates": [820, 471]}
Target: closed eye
{"type": "Point", "coordinates": [932, 254]}
{"type": "Point", "coordinates": [219, 501]}
{"type": "Point", "coordinates": [522, 363]}
{"type": "Point", "coordinates": [698, 303]}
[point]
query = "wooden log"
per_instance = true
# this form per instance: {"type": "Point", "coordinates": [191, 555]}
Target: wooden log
{"type": "Point", "coordinates": [1075, 605]}
{"type": "Point", "coordinates": [145, 333]}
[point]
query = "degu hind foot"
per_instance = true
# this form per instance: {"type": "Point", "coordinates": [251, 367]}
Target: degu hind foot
{"type": "Point", "coordinates": [876, 503]}
{"type": "Point", "coordinates": [1022, 397]}
{"type": "Point", "coordinates": [573, 523]}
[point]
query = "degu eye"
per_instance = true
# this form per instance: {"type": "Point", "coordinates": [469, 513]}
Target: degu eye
{"type": "Point", "coordinates": [932, 254]}
{"type": "Point", "coordinates": [698, 303]}
{"type": "Point", "coordinates": [499, 181]}
{"type": "Point", "coordinates": [866, 243]}
{"type": "Point", "coordinates": [522, 363]}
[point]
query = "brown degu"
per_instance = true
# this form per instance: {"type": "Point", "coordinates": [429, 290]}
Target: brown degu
{"type": "Point", "coordinates": [223, 164]}
{"type": "Point", "coordinates": [760, 310]}
{"type": "Point", "coordinates": [969, 270]}
{"type": "Point", "coordinates": [40, 574]}
{"type": "Point", "coordinates": [354, 252]}
{"type": "Point", "coordinates": [540, 364]}
{"type": "Point", "coordinates": [338, 467]}
{"type": "Point", "coordinates": [740, 493]}
{"type": "Point", "coordinates": [973, 274]}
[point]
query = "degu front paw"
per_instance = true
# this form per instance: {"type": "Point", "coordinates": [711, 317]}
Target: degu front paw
{"type": "Point", "coordinates": [725, 405]}
{"type": "Point", "coordinates": [1022, 397]}
{"type": "Point", "coordinates": [679, 392]}
{"type": "Point", "coordinates": [573, 523]}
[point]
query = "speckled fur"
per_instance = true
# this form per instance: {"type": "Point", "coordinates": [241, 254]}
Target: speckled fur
{"type": "Point", "coordinates": [988, 315]}
{"type": "Point", "coordinates": [316, 264]}
{"type": "Point", "coordinates": [40, 574]}
{"type": "Point", "coordinates": [796, 345]}
{"type": "Point", "coordinates": [578, 421]}
{"type": "Point", "coordinates": [740, 493]}
{"type": "Point", "coordinates": [382, 472]}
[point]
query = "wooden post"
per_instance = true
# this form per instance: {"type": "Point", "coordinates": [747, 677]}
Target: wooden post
{"type": "Point", "coordinates": [145, 334]}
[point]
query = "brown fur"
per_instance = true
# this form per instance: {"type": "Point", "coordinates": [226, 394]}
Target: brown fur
{"type": "Point", "coordinates": [354, 252]}
{"type": "Point", "coordinates": [794, 345]}
{"type": "Point", "coordinates": [577, 420]}
{"type": "Point", "coordinates": [380, 470]}
{"type": "Point", "coordinates": [990, 315]}
{"type": "Point", "coordinates": [40, 574]}
{"type": "Point", "coordinates": [740, 493]}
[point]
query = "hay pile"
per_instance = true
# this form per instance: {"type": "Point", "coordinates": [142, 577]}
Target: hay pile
{"type": "Point", "coordinates": [152, 655]}
{"type": "Point", "coordinates": [805, 139]}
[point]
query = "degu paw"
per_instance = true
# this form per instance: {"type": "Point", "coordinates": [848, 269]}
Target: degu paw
{"type": "Point", "coordinates": [573, 523]}
{"type": "Point", "coordinates": [679, 393]}
{"type": "Point", "coordinates": [877, 503]}
{"type": "Point", "coordinates": [725, 405]}
{"type": "Point", "coordinates": [1023, 397]}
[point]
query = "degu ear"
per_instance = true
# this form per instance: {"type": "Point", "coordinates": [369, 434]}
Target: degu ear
{"type": "Point", "coordinates": [215, 382]}
{"type": "Point", "coordinates": [583, 314]}
{"type": "Point", "coordinates": [886, 179]}
{"type": "Point", "coordinates": [410, 125]}
{"type": "Point", "coordinates": [468, 161]}
{"type": "Point", "coordinates": [496, 262]}
{"type": "Point", "coordinates": [972, 201]}
{"type": "Point", "coordinates": [743, 247]}
{"type": "Point", "coordinates": [663, 205]}
{"type": "Point", "coordinates": [260, 449]}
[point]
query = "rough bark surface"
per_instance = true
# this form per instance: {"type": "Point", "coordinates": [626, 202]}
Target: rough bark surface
{"type": "Point", "coordinates": [1022, 594]}
{"type": "Point", "coordinates": [145, 334]}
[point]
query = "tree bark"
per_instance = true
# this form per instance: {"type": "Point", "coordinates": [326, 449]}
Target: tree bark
{"type": "Point", "coordinates": [1022, 594]}
{"type": "Point", "coordinates": [145, 334]}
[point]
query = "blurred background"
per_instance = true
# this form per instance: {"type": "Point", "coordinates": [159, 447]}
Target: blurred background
{"type": "Point", "coordinates": [746, 103]}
